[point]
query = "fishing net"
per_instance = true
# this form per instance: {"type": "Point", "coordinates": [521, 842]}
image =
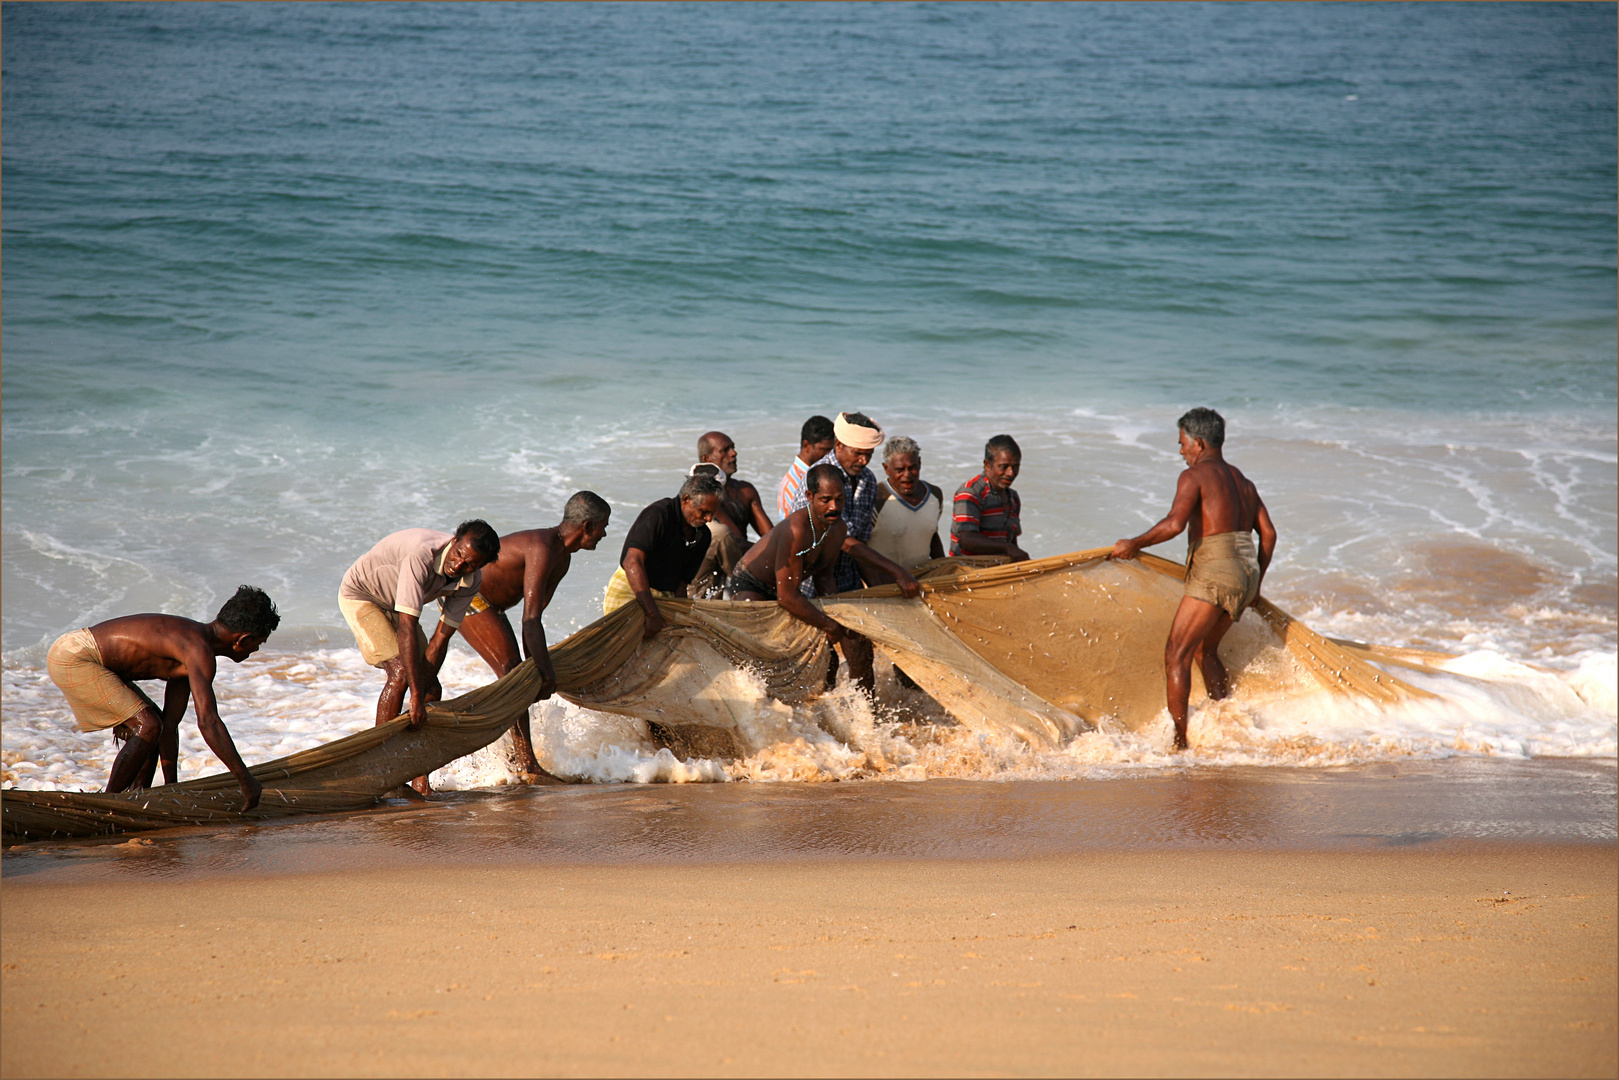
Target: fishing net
{"type": "Point", "coordinates": [1043, 649]}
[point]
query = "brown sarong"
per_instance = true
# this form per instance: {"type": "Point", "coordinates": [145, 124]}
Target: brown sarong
{"type": "Point", "coordinates": [1224, 570]}
{"type": "Point", "coordinates": [100, 697]}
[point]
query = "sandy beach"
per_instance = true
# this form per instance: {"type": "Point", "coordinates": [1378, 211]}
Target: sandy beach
{"type": "Point", "coordinates": [411, 943]}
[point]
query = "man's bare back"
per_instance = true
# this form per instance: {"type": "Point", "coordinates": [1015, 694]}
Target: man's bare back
{"type": "Point", "coordinates": [538, 549]}
{"type": "Point", "coordinates": [1227, 501]}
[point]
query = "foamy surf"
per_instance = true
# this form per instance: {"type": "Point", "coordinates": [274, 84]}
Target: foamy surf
{"type": "Point", "coordinates": [277, 704]}
{"type": "Point", "coordinates": [1488, 706]}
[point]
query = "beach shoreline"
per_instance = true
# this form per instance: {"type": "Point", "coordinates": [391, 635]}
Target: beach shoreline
{"type": "Point", "coordinates": [1426, 918]}
{"type": "Point", "coordinates": [1449, 958]}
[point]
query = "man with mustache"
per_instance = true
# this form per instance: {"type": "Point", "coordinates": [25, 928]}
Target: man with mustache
{"type": "Point", "coordinates": [808, 544]}
{"type": "Point", "coordinates": [531, 565]}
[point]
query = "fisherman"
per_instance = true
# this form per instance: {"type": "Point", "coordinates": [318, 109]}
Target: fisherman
{"type": "Point", "coordinates": [906, 528]}
{"type": "Point", "coordinates": [531, 565]}
{"type": "Point", "coordinates": [740, 508]}
{"type": "Point", "coordinates": [663, 550]}
{"type": "Point", "coordinates": [814, 440]}
{"type": "Point", "coordinates": [1223, 572]}
{"type": "Point", "coordinates": [808, 544]}
{"type": "Point", "coordinates": [854, 436]}
{"type": "Point", "coordinates": [986, 518]}
{"type": "Point", "coordinates": [382, 597]}
{"type": "Point", "coordinates": [96, 669]}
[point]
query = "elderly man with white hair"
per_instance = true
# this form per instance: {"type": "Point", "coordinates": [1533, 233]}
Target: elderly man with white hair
{"type": "Point", "coordinates": [906, 526]}
{"type": "Point", "coordinates": [855, 436]}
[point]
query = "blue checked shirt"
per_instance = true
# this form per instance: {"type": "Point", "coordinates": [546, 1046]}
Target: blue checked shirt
{"type": "Point", "coordinates": [859, 515]}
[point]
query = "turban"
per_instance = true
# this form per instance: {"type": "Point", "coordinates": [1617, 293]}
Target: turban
{"type": "Point", "coordinates": [856, 435]}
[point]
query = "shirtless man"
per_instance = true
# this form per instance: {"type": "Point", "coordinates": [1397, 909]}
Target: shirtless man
{"type": "Point", "coordinates": [809, 543]}
{"type": "Point", "coordinates": [530, 566]}
{"type": "Point", "coordinates": [1223, 573]}
{"type": "Point", "coordinates": [740, 507]}
{"type": "Point", "coordinates": [96, 668]}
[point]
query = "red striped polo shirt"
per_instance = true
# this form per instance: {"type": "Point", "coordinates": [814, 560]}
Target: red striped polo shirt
{"type": "Point", "coordinates": [981, 509]}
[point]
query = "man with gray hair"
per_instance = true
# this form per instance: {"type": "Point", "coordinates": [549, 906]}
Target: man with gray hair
{"type": "Point", "coordinates": [1223, 510]}
{"type": "Point", "coordinates": [531, 565]}
{"type": "Point", "coordinates": [906, 528]}
{"type": "Point", "coordinates": [663, 550]}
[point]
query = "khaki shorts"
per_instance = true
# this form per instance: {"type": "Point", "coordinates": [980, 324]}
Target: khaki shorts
{"type": "Point", "coordinates": [99, 697]}
{"type": "Point", "coordinates": [376, 630]}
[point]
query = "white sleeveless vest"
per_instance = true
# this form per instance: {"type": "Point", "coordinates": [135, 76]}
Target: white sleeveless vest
{"type": "Point", "coordinates": [905, 534]}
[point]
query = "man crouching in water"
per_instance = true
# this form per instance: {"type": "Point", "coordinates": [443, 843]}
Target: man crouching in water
{"type": "Point", "coordinates": [96, 668]}
{"type": "Point", "coordinates": [807, 544]}
{"type": "Point", "coordinates": [1223, 575]}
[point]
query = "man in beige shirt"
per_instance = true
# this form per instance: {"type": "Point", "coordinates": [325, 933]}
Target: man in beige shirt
{"type": "Point", "coordinates": [382, 597]}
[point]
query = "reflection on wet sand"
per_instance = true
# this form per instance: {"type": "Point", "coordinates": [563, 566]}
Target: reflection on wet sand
{"type": "Point", "coordinates": [1461, 799]}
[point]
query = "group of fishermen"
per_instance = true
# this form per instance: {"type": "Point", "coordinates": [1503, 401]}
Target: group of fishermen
{"type": "Point", "coordinates": [840, 527]}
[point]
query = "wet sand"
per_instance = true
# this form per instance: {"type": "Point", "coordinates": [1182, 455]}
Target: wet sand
{"type": "Point", "coordinates": [1334, 941]}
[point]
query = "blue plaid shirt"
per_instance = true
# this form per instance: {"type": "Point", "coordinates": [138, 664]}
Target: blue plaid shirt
{"type": "Point", "coordinates": [859, 515]}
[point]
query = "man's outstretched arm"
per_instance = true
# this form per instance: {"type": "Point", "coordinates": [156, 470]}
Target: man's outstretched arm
{"type": "Point", "coordinates": [756, 507]}
{"type": "Point", "coordinates": [200, 667]}
{"type": "Point", "coordinates": [176, 692]}
{"type": "Point", "coordinates": [788, 576]}
{"type": "Point", "coordinates": [1267, 539]}
{"type": "Point", "coordinates": [417, 673]}
{"type": "Point", "coordinates": [1173, 524]}
{"type": "Point", "coordinates": [867, 557]}
{"type": "Point", "coordinates": [635, 574]}
{"type": "Point", "coordinates": [538, 588]}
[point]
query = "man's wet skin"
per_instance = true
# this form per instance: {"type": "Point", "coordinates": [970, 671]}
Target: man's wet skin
{"type": "Point", "coordinates": [531, 565]}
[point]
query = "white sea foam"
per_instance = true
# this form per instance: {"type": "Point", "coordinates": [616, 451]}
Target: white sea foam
{"type": "Point", "coordinates": [279, 703]}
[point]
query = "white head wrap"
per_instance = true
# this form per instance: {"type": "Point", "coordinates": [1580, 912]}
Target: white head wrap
{"type": "Point", "coordinates": [861, 438]}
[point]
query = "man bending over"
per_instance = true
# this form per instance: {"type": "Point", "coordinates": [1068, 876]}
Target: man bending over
{"type": "Point", "coordinates": [96, 668]}
{"type": "Point", "coordinates": [382, 597]}
{"type": "Point", "coordinates": [530, 566]}
{"type": "Point", "coordinates": [809, 543]}
{"type": "Point", "coordinates": [1223, 572]}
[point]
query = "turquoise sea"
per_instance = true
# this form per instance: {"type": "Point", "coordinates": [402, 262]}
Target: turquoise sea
{"type": "Point", "coordinates": [280, 279]}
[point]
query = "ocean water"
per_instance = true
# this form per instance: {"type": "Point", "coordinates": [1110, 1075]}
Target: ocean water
{"type": "Point", "coordinates": [281, 279]}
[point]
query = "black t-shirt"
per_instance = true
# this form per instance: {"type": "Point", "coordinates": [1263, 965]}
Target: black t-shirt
{"type": "Point", "coordinates": [660, 533]}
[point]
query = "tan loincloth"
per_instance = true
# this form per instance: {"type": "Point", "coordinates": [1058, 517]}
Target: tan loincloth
{"type": "Point", "coordinates": [1224, 570]}
{"type": "Point", "coordinates": [100, 697]}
